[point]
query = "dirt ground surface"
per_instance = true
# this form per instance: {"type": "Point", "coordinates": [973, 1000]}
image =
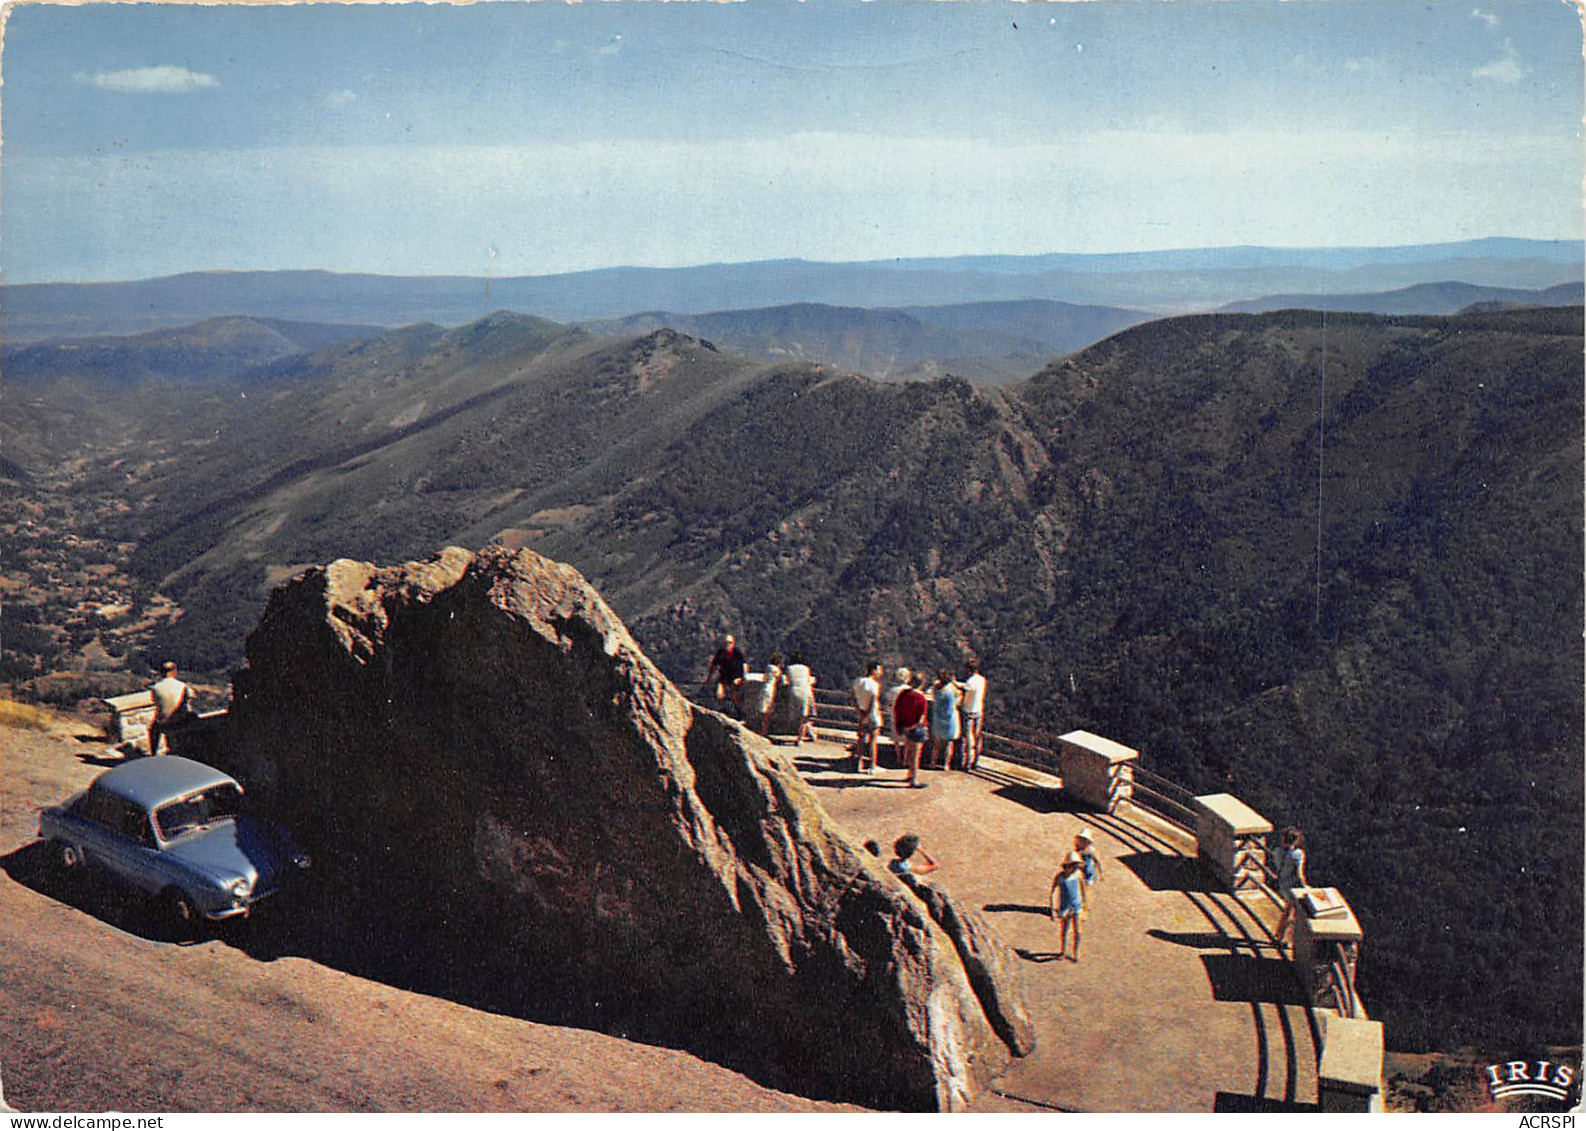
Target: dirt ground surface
{"type": "Point", "coordinates": [102, 1010]}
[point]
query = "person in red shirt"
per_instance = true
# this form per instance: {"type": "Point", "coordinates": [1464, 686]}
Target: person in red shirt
{"type": "Point", "coordinates": [908, 719]}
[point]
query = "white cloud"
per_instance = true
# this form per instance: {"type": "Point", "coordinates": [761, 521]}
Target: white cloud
{"type": "Point", "coordinates": [1478, 14]}
{"type": "Point", "coordinates": [150, 80]}
{"type": "Point", "coordinates": [340, 99]}
{"type": "Point", "coordinates": [1506, 69]}
{"type": "Point", "coordinates": [1354, 64]}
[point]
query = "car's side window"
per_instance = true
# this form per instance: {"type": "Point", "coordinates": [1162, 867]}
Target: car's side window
{"type": "Point", "coordinates": [133, 822]}
{"type": "Point", "coordinates": [100, 808]}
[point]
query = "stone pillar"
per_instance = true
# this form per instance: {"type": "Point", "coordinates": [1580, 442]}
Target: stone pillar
{"type": "Point", "coordinates": [1096, 771]}
{"type": "Point", "coordinates": [1349, 1075]}
{"type": "Point", "coordinates": [1230, 838]}
{"type": "Point", "coordinates": [753, 682]}
{"type": "Point", "coordinates": [1318, 937]}
{"type": "Point", "coordinates": [132, 715]}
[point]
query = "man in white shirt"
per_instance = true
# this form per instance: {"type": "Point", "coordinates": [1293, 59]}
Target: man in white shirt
{"type": "Point", "coordinates": [866, 694]}
{"type": "Point", "coordinates": [974, 711]}
{"type": "Point", "coordinates": [172, 706]}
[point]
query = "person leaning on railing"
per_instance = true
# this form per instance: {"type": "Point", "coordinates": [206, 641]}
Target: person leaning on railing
{"type": "Point", "coordinates": [173, 706]}
{"type": "Point", "coordinates": [801, 691]}
{"type": "Point", "coordinates": [1291, 875]}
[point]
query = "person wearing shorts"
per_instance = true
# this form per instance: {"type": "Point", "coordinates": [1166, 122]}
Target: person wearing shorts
{"type": "Point", "coordinates": [908, 721]}
{"type": "Point", "coordinates": [1066, 903]}
{"type": "Point", "coordinates": [866, 694]}
{"type": "Point", "coordinates": [974, 712]}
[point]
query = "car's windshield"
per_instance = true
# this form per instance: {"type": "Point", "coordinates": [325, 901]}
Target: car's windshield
{"type": "Point", "coordinates": [200, 810]}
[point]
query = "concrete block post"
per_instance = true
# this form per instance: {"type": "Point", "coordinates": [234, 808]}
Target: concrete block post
{"type": "Point", "coordinates": [1318, 939]}
{"type": "Point", "coordinates": [1230, 837]}
{"type": "Point", "coordinates": [1096, 771]}
{"type": "Point", "coordinates": [132, 714]}
{"type": "Point", "coordinates": [1349, 1075]}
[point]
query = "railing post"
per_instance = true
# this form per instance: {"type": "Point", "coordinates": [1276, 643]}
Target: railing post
{"type": "Point", "coordinates": [1349, 1074]}
{"type": "Point", "coordinates": [1096, 771]}
{"type": "Point", "coordinates": [1323, 939]}
{"type": "Point", "coordinates": [1230, 839]}
{"type": "Point", "coordinates": [132, 715]}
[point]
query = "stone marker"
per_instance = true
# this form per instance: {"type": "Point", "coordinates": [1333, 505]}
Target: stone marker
{"type": "Point", "coordinates": [477, 741]}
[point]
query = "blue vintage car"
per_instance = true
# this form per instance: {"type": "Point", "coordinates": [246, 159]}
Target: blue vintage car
{"type": "Point", "coordinates": [173, 828]}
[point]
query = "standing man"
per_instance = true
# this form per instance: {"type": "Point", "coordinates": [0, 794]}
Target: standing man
{"type": "Point", "coordinates": [866, 695]}
{"type": "Point", "coordinates": [974, 712]}
{"type": "Point", "coordinates": [727, 667]}
{"type": "Point", "coordinates": [172, 706]}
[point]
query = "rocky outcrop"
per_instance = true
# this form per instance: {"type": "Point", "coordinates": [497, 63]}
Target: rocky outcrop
{"type": "Point", "coordinates": [478, 739]}
{"type": "Point", "coordinates": [988, 962]}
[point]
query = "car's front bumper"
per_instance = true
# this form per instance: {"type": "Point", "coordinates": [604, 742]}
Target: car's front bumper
{"type": "Point", "coordinates": [238, 908]}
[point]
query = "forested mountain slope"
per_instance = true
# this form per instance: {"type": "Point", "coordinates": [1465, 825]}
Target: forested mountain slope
{"type": "Point", "coordinates": [1128, 541]}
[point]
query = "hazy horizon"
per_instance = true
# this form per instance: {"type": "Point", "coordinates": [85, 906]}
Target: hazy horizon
{"type": "Point", "coordinates": [514, 140]}
{"type": "Point", "coordinates": [612, 267]}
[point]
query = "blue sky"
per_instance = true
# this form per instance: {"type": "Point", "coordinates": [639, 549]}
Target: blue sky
{"type": "Point", "coordinates": [510, 138]}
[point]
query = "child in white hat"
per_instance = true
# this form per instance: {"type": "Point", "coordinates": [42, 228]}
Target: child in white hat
{"type": "Point", "coordinates": [1066, 902]}
{"type": "Point", "coordinates": [1092, 865]}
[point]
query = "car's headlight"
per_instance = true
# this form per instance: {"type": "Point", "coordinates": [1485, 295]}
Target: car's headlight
{"type": "Point", "coordinates": [240, 889]}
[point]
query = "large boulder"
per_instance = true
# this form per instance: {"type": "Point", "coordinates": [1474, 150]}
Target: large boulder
{"type": "Point", "coordinates": [993, 972]}
{"type": "Point", "coordinates": [478, 739]}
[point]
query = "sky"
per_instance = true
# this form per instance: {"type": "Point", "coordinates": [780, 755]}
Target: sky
{"type": "Point", "coordinates": [534, 138]}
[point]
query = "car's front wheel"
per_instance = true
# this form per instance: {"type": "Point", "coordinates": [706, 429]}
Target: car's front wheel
{"type": "Point", "coordinates": [181, 912]}
{"type": "Point", "coordinates": [68, 857]}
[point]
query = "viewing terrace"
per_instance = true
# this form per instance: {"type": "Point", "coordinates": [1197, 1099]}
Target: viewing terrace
{"type": "Point", "coordinates": [1181, 1000]}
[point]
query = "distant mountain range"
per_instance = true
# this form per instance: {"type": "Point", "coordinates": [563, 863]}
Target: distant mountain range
{"type": "Point", "coordinates": [1165, 281]}
{"type": "Point", "coordinates": [1423, 298]}
{"type": "Point", "coordinates": [213, 350]}
{"type": "Point", "coordinates": [989, 342]}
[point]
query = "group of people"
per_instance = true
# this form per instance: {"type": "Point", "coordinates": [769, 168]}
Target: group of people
{"type": "Point", "coordinates": [728, 677]}
{"type": "Point", "coordinates": [938, 724]}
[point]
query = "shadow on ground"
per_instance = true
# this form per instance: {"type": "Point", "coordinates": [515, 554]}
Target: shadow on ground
{"type": "Point", "coordinates": [36, 866]}
{"type": "Point", "coordinates": [1201, 940]}
{"type": "Point", "coordinates": [1160, 872]}
{"type": "Point", "coordinates": [1232, 1101]}
{"type": "Point", "coordinates": [362, 934]}
{"type": "Point", "coordinates": [1244, 977]}
{"type": "Point", "coordinates": [1027, 908]}
{"type": "Point", "coordinates": [1038, 799]}
{"type": "Point", "coordinates": [1037, 955]}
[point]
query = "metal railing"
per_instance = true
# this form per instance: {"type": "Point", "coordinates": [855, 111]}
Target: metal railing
{"type": "Point", "coordinates": [1340, 981]}
{"type": "Point", "coordinates": [1167, 799]}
